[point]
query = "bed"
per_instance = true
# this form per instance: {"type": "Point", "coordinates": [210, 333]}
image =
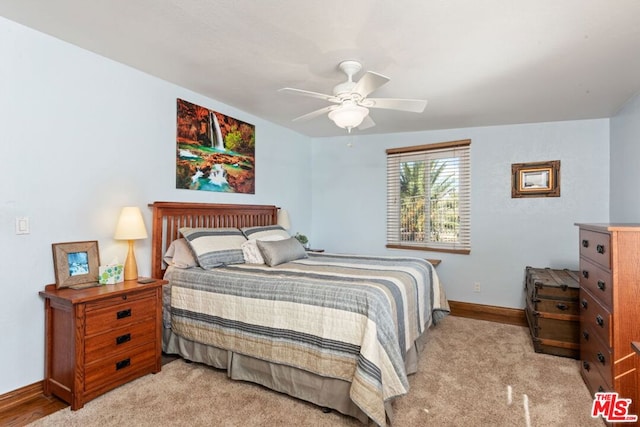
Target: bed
{"type": "Point", "coordinates": [340, 331]}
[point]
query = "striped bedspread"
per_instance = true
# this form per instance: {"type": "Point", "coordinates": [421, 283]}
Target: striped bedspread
{"type": "Point", "coordinates": [346, 317]}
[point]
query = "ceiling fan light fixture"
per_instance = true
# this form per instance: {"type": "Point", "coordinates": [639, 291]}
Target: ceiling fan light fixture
{"type": "Point", "coordinates": [348, 116]}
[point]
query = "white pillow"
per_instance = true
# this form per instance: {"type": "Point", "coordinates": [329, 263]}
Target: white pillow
{"type": "Point", "coordinates": [251, 252]}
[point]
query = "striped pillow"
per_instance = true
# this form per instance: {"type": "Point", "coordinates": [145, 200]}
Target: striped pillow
{"type": "Point", "coordinates": [215, 246]}
{"type": "Point", "coordinates": [265, 232]}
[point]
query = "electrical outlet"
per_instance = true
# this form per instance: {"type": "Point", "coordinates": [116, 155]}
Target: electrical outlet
{"type": "Point", "coordinates": [476, 287]}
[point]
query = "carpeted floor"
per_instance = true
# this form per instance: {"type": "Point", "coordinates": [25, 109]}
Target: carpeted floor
{"type": "Point", "coordinates": [472, 373]}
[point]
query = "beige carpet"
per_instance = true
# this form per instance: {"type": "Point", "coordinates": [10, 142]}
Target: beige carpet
{"type": "Point", "coordinates": [472, 373]}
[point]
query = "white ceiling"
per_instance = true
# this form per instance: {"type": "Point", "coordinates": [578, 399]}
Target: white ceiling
{"type": "Point", "coordinates": [478, 63]}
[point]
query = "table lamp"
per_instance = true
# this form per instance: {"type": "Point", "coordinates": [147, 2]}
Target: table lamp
{"type": "Point", "coordinates": [283, 219]}
{"type": "Point", "coordinates": [130, 227]}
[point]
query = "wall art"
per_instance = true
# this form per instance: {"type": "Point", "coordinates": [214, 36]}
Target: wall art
{"type": "Point", "coordinates": [214, 152]}
{"type": "Point", "coordinates": [539, 179]}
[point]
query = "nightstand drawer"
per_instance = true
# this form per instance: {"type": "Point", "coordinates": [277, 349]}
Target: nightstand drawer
{"type": "Point", "coordinates": [121, 339]}
{"type": "Point", "coordinates": [595, 317]}
{"type": "Point", "coordinates": [119, 312]}
{"type": "Point", "coordinates": [596, 246]}
{"type": "Point", "coordinates": [120, 366]}
{"type": "Point", "coordinates": [598, 281]}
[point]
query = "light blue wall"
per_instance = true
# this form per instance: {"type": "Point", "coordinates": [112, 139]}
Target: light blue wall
{"type": "Point", "coordinates": [81, 137]}
{"type": "Point", "coordinates": [625, 158]}
{"type": "Point", "coordinates": [349, 201]}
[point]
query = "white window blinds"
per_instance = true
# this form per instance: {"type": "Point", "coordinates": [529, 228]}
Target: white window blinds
{"type": "Point", "coordinates": [429, 197]}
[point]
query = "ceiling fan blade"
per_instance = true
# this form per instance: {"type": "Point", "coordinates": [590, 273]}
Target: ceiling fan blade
{"type": "Point", "coordinates": [369, 82]}
{"type": "Point", "coordinates": [315, 113]}
{"type": "Point", "coordinates": [367, 123]}
{"type": "Point", "coordinates": [412, 105]}
{"type": "Point", "coordinates": [302, 92]}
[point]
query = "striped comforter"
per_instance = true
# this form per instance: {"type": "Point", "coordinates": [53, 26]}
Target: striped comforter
{"type": "Point", "coordinates": [346, 317]}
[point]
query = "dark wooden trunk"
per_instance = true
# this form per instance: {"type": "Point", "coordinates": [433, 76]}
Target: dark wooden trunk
{"type": "Point", "coordinates": [552, 311]}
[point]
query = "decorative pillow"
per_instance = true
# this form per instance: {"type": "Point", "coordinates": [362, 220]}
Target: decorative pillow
{"type": "Point", "coordinates": [281, 251]}
{"type": "Point", "coordinates": [265, 232]}
{"type": "Point", "coordinates": [251, 252]}
{"type": "Point", "coordinates": [179, 255]}
{"type": "Point", "coordinates": [214, 247]}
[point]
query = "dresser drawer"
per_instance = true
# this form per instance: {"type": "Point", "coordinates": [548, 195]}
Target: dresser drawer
{"type": "Point", "coordinates": [593, 379]}
{"type": "Point", "coordinates": [596, 318]}
{"type": "Point", "coordinates": [598, 281]}
{"type": "Point", "coordinates": [596, 246]}
{"type": "Point", "coordinates": [120, 366]}
{"type": "Point", "coordinates": [596, 356]}
{"type": "Point", "coordinates": [121, 339]}
{"type": "Point", "coordinates": [118, 312]}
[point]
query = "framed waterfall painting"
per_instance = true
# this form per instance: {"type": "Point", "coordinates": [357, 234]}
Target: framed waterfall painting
{"type": "Point", "coordinates": [214, 152]}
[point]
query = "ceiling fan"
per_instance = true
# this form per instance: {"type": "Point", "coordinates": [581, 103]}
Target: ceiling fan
{"type": "Point", "coordinates": [352, 105]}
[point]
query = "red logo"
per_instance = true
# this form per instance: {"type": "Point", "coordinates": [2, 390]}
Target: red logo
{"type": "Point", "coordinates": [612, 408]}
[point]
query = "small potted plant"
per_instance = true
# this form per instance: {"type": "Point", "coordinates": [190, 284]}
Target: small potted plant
{"type": "Point", "coordinates": [304, 241]}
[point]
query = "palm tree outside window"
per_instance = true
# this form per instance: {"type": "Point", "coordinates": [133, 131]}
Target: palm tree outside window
{"type": "Point", "coordinates": [428, 192]}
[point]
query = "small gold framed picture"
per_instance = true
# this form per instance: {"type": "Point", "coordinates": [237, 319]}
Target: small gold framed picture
{"type": "Point", "coordinates": [76, 264]}
{"type": "Point", "coordinates": [539, 179]}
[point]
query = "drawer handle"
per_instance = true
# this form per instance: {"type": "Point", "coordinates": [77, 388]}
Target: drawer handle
{"type": "Point", "coordinates": [586, 366]}
{"type": "Point", "coordinates": [601, 358]}
{"type": "Point", "coordinates": [123, 363]}
{"type": "Point", "coordinates": [600, 249]}
{"type": "Point", "coordinates": [123, 339]}
{"type": "Point", "coordinates": [600, 321]}
{"type": "Point", "coordinates": [124, 313]}
{"type": "Point", "coordinates": [585, 334]}
{"type": "Point", "coordinates": [561, 306]}
{"type": "Point", "coordinates": [585, 243]}
{"type": "Point", "coordinates": [584, 303]}
{"type": "Point", "coordinates": [601, 285]}
{"type": "Point", "coordinates": [585, 274]}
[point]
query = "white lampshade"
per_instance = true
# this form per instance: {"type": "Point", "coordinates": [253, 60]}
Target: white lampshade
{"type": "Point", "coordinates": [348, 115]}
{"type": "Point", "coordinates": [283, 219]}
{"type": "Point", "coordinates": [130, 225]}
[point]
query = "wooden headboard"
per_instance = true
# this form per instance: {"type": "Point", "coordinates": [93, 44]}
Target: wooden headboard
{"type": "Point", "coordinates": [168, 217]}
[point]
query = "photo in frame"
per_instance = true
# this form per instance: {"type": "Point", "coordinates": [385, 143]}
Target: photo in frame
{"type": "Point", "coordinates": [538, 179]}
{"type": "Point", "coordinates": [76, 264]}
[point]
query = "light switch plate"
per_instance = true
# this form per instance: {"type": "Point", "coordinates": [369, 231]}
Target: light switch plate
{"type": "Point", "coordinates": [22, 225]}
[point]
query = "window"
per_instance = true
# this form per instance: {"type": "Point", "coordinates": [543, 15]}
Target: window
{"type": "Point", "coordinates": [428, 197]}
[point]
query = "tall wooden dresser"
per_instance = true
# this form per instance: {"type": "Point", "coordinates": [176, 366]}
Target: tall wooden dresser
{"type": "Point", "coordinates": [610, 307]}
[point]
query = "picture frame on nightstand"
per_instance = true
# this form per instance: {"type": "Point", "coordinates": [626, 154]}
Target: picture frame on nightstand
{"type": "Point", "coordinates": [76, 264]}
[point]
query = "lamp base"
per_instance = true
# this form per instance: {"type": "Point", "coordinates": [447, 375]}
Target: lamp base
{"type": "Point", "coordinates": [130, 265]}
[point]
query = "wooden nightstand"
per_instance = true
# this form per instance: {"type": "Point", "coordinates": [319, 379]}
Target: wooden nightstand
{"type": "Point", "coordinates": [100, 338]}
